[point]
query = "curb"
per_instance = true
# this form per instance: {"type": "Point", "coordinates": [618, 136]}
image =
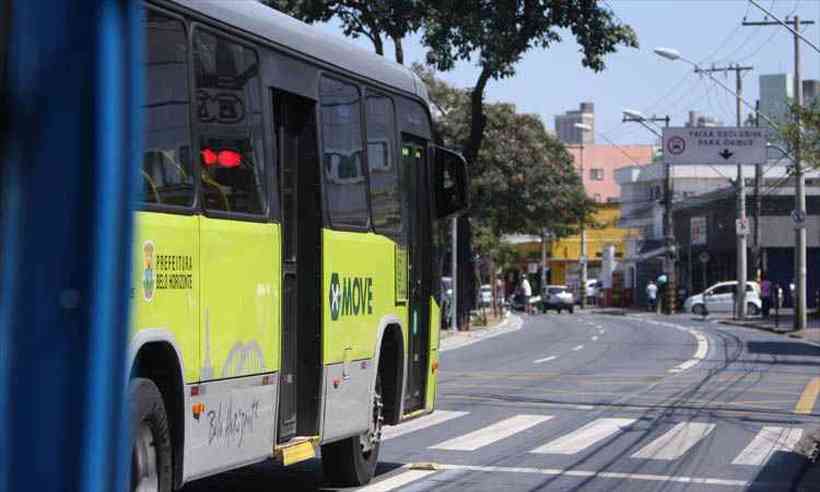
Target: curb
{"type": "Point", "coordinates": [510, 324]}
{"type": "Point", "coordinates": [768, 330]}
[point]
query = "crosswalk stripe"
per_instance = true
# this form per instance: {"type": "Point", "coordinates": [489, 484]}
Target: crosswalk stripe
{"type": "Point", "coordinates": [766, 443]}
{"type": "Point", "coordinates": [492, 433]}
{"type": "Point", "coordinates": [675, 442]}
{"type": "Point", "coordinates": [545, 359]}
{"type": "Point", "coordinates": [397, 481]}
{"type": "Point", "coordinates": [435, 418]}
{"type": "Point", "coordinates": [584, 437]}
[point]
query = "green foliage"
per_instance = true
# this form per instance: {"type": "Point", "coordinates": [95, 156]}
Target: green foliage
{"type": "Point", "coordinates": [374, 19]}
{"type": "Point", "coordinates": [807, 134]}
{"type": "Point", "coordinates": [497, 34]}
{"type": "Point", "coordinates": [523, 180]}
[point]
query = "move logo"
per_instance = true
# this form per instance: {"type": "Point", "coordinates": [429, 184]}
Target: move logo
{"type": "Point", "coordinates": [350, 296]}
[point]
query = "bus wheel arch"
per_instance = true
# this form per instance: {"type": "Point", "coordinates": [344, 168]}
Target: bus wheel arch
{"type": "Point", "coordinates": [391, 367]}
{"type": "Point", "coordinates": [158, 361]}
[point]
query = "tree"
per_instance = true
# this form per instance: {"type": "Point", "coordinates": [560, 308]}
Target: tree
{"type": "Point", "coordinates": [499, 33]}
{"type": "Point", "coordinates": [523, 179]}
{"type": "Point", "coordinates": [373, 19]}
{"type": "Point", "coordinates": [807, 134]}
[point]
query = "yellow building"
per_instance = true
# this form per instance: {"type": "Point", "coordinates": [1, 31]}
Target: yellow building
{"type": "Point", "coordinates": [563, 255]}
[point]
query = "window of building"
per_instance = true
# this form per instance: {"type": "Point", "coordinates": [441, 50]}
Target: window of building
{"type": "Point", "coordinates": [345, 181]}
{"type": "Point", "coordinates": [597, 198]}
{"type": "Point", "coordinates": [385, 200]}
{"type": "Point", "coordinates": [229, 119]}
{"type": "Point", "coordinates": [596, 174]}
{"type": "Point", "coordinates": [167, 175]}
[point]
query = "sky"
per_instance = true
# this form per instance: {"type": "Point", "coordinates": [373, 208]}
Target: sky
{"type": "Point", "coordinates": [551, 81]}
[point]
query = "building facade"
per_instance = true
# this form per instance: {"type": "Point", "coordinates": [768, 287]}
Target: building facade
{"type": "Point", "coordinates": [600, 163]}
{"type": "Point", "coordinates": [775, 92]}
{"type": "Point", "coordinates": [565, 128]}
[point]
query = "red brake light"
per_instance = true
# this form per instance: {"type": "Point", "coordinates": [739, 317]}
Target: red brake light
{"type": "Point", "coordinates": [229, 158]}
{"type": "Point", "coordinates": [209, 157]}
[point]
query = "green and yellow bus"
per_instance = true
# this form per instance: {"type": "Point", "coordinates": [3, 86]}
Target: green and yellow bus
{"type": "Point", "coordinates": [285, 270]}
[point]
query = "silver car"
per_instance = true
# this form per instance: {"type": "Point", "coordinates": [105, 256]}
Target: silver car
{"type": "Point", "coordinates": [557, 297]}
{"type": "Point", "coordinates": [720, 297]}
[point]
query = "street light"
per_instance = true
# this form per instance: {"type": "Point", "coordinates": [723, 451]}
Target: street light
{"type": "Point", "coordinates": [583, 259]}
{"type": "Point", "coordinates": [740, 298]}
{"type": "Point", "coordinates": [631, 115]}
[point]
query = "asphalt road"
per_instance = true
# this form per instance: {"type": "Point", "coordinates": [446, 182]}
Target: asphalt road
{"type": "Point", "coordinates": [596, 402]}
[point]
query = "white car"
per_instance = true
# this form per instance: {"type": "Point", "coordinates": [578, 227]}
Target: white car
{"type": "Point", "coordinates": [719, 298]}
{"type": "Point", "coordinates": [485, 295]}
{"type": "Point", "coordinates": [557, 297]}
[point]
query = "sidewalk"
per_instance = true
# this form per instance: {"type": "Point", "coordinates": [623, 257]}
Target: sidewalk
{"type": "Point", "coordinates": [781, 326]}
{"type": "Point", "coordinates": [451, 339]}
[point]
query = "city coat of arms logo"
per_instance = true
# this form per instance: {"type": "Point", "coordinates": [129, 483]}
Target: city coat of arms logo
{"type": "Point", "coordinates": [149, 275]}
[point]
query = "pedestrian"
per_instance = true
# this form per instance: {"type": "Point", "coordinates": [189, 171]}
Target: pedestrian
{"type": "Point", "coordinates": [652, 295]}
{"type": "Point", "coordinates": [526, 292]}
{"type": "Point", "coordinates": [766, 294]}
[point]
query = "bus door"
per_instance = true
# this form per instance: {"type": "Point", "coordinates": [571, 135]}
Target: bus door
{"type": "Point", "coordinates": [419, 229]}
{"type": "Point", "coordinates": [301, 371]}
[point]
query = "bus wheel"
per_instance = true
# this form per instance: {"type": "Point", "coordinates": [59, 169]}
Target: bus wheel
{"type": "Point", "coordinates": [352, 461]}
{"type": "Point", "coordinates": [151, 438]}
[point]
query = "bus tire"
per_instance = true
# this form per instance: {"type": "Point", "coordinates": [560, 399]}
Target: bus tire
{"type": "Point", "coordinates": [345, 463]}
{"type": "Point", "coordinates": [151, 461]}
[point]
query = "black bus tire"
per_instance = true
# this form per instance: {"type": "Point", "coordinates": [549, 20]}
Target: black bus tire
{"type": "Point", "coordinates": [150, 436]}
{"type": "Point", "coordinates": [344, 463]}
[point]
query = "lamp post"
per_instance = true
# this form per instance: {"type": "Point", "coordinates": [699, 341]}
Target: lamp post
{"type": "Point", "coordinates": [631, 115]}
{"type": "Point", "coordinates": [740, 298]}
{"type": "Point", "coordinates": [583, 258]}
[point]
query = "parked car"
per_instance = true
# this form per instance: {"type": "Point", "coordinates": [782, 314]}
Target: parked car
{"type": "Point", "coordinates": [720, 298]}
{"type": "Point", "coordinates": [485, 295]}
{"type": "Point", "coordinates": [557, 297]}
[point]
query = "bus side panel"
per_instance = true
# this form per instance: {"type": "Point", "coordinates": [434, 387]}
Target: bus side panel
{"type": "Point", "coordinates": [232, 419]}
{"type": "Point", "coordinates": [358, 291]}
{"type": "Point", "coordinates": [432, 375]}
{"type": "Point", "coordinates": [165, 292]}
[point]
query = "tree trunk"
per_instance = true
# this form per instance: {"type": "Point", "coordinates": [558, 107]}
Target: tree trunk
{"type": "Point", "coordinates": [397, 42]}
{"type": "Point", "coordinates": [377, 43]}
{"type": "Point", "coordinates": [477, 119]}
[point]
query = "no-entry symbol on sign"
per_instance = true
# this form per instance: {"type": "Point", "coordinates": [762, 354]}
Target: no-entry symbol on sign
{"type": "Point", "coordinates": [676, 145]}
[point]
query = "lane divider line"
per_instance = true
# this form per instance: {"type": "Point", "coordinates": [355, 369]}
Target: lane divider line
{"type": "Point", "coordinates": [650, 477]}
{"type": "Point", "coordinates": [595, 338]}
{"type": "Point", "coordinates": [579, 347]}
{"type": "Point", "coordinates": [805, 405]}
{"type": "Point", "coordinates": [397, 481]}
{"type": "Point", "coordinates": [545, 359]}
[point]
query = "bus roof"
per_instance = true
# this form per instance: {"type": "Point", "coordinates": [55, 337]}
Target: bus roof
{"type": "Point", "coordinates": [258, 19]}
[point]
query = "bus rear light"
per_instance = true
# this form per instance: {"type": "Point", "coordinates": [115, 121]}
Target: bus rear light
{"type": "Point", "coordinates": [435, 366]}
{"type": "Point", "coordinates": [223, 158]}
{"type": "Point", "coordinates": [194, 390]}
{"type": "Point", "coordinates": [229, 158]}
{"type": "Point", "coordinates": [209, 157]}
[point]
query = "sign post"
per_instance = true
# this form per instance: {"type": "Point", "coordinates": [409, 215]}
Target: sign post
{"type": "Point", "coordinates": [722, 146]}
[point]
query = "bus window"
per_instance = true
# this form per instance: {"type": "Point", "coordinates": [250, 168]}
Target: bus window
{"type": "Point", "coordinates": [381, 159]}
{"type": "Point", "coordinates": [166, 165]}
{"type": "Point", "coordinates": [342, 154]}
{"type": "Point", "coordinates": [229, 121]}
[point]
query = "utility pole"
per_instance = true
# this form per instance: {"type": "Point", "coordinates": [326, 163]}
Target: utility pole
{"type": "Point", "coordinates": [454, 282]}
{"type": "Point", "coordinates": [800, 187]}
{"type": "Point", "coordinates": [757, 260]}
{"type": "Point", "coordinates": [583, 294]}
{"type": "Point", "coordinates": [740, 297]}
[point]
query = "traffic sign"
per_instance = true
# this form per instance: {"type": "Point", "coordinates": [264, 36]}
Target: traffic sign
{"type": "Point", "coordinates": [714, 145]}
{"type": "Point", "coordinates": [742, 226]}
{"type": "Point", "coordinates": [704, 257]}
{"type": "Point", "coordinates": [799, 218]}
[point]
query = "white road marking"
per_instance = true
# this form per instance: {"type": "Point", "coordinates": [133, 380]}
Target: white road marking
{"type": "Point", "coordinates": [595, 338]}
{"type": "Point", "coordinates": [595, 474]}
{"type": "Point", "coordinates": [766, 443]}
{"type": "Point", "coordinates": [579, 347]}
{"type": "Point", "coordinates": [435, 418]}
{"type": "Point", "coordinates": [490, 434]}
{"type": "Point", "coordinates": [700, 353]}
{"type": "Point", "coordinates": [586, 436]}
{"type": "Point", "coordinates": [675, 442]}
{"type": "Point", "coordinates": [397, 481]}
{"type": "Point", "coordinates": [601, 331]}
{"type": "Point", "coordinates": [545, 359]}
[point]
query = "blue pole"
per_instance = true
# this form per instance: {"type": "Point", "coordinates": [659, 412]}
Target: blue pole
{"type": "Point", "coordinates": [72, 144]}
